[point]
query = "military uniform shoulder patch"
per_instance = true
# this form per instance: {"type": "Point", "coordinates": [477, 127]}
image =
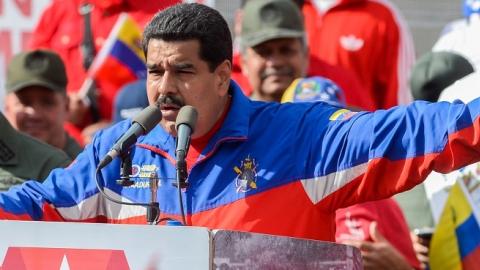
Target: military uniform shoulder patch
{"type": "Point", "coordinates": [6, 152]}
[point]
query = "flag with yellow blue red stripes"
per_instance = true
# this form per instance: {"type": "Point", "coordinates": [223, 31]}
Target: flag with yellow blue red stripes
{"type": "Point", "coordinates": [456, 241]}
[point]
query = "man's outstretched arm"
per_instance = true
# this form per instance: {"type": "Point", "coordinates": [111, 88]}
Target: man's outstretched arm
{"type": "Point", "coordinates": [368, 156]}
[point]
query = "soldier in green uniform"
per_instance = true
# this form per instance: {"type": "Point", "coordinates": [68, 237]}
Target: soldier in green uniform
{"type": "Point", "coordinates": [36, 102]}
{"type": "Point", "coordinates": [23, 157]}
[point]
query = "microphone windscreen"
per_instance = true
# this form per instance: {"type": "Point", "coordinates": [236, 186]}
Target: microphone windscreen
{"type": "Point", "coordinates": [188, 116]}
{"type": "Point", "coordinates": [148, 118]}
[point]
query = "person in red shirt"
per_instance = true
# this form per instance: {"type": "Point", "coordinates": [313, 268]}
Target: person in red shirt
{"type": "Point", "coordinates": [61, 28]}
{"type": "Point", "coordinates": [251, 66]}
{"type": "Point", "coordinates": [380, 231]}
{"type": "Point", "coordinates": [367, 37]}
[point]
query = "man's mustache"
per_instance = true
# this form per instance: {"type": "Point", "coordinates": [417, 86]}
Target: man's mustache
{"type": "Point", "coordinates": [283, 71]}
{"type": "Point", "coordinates": [169, 100]}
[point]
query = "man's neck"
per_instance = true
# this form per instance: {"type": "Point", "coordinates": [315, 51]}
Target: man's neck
{"type": "Point", "coordinates": [207, 129]}
{"type": "Point", "coordinates": [59, 141]}
{"type": "Point", "coordinates": [198, 144]}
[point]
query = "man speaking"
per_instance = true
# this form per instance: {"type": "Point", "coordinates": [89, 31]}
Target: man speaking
{"type": "Point", "coordinates": [253, 166]}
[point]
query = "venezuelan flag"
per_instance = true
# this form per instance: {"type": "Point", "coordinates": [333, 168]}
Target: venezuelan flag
{"type": "Point", "coordinates": [456, 241]}
{"type": "Point", "coordinates": [121, 58]}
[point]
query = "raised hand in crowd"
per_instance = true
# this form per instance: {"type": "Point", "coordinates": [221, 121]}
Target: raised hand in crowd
{"type": "Point", "coordinates": [379, 254]}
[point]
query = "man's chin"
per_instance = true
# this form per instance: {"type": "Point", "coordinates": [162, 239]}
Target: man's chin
{"type": "Point", "coordinates": [34, 132]}
{"type": "Point", "coordinates": [169, 126]}
{"type": "Point", "coordinates": [278, 85]}
{"type": "Point", "coordinates": [276, 90]}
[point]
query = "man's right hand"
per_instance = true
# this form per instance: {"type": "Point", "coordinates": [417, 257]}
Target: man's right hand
{"type": "Point", "coordinates": [379, 254]}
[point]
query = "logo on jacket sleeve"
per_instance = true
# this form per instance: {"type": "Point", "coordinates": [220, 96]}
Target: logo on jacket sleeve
{"type": "Point", "coordinates": [342, 114]}
{"type": "Point", "coordinates": [246, 175]}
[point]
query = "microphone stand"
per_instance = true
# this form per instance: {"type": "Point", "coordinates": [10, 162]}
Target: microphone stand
{"type": "Point", "coordinates": [125, 170]}
{"type": "Point", "coordinates": [153, 208]}
{"type": "Point", "coordinates": [181, 183]}
{"type": "Point", "coordinates": [181, 167]}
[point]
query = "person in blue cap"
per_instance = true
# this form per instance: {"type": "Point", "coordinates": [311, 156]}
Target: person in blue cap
{"type": "Point", "coordinates": [130, 100]}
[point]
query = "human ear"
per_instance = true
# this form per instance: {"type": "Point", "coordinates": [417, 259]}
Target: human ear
{"type": "Point", "coordinates": [224, 73]}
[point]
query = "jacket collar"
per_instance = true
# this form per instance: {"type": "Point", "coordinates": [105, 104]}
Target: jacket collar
{"type": "Point", "coordinates": [8, 143]}
{"type": "Point", "coordinates": [235, 126]}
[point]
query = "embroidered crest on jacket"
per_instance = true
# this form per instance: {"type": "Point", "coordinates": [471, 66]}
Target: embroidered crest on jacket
{"type": "Point", "coordinates": [246, 175]}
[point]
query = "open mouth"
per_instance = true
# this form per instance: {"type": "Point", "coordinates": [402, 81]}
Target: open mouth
{"type": "Point", "coordinates": [169, 107]}
{"type": "Point", "coordinates": [170, 111]}
{"type": "Point", "coordinates": [279, 77]}
{"type": "Point", "coordinates": [276, 74]}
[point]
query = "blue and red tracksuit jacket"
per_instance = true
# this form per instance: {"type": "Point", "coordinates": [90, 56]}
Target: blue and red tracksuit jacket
{"type": "Point", "coordinates": [271, 168]}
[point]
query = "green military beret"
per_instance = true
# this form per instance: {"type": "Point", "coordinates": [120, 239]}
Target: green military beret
{"type": "Point", "coordinates": [36, 68]}
{"type": "Point", "coordinates": [264, 20]}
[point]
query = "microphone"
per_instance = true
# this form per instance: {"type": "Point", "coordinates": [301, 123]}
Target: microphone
{"type": "Point", "coordinates": [142, 123]}
{"type": "Point", "coordinates": [185, 125]}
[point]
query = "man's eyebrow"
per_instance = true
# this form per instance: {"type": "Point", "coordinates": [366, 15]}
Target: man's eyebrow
{"type": "Point", "coordinates": [183, 65]}
{"type": "Point", "coordinates": [176, 66]}
{"type": "Point", "coordinates": [151, 66]}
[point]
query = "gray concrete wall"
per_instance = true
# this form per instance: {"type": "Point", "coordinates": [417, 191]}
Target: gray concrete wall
{"type": "Point", "coordinates": [426, 19]}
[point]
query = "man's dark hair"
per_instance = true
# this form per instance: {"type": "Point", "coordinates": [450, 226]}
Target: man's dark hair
{"type": "Point", "coordinates": [193, 22]}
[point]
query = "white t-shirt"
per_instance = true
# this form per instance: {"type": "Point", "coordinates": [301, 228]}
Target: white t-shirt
{"type": "Point", "coordinates": [465, 89]}
{"type": "Point", "coordinates": [464, 39]}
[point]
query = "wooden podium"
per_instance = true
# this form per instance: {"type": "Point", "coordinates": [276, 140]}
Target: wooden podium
{"type": "Point", "coordinates": [77, 246]}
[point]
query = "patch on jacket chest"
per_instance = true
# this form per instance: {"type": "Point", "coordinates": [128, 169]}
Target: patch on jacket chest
{"type": "Point", "coordinates": [144, 171]}
{"type": "Point", "coordinates": [246, 175]}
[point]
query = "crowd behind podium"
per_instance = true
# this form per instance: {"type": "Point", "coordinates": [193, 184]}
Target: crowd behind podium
{"type": "Point", "coordinates": [356, 55]}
